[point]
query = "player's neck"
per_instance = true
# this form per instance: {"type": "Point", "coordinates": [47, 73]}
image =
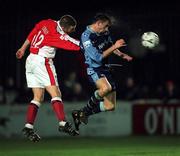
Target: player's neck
{"type": "Point", "coordinates": [93, 28]}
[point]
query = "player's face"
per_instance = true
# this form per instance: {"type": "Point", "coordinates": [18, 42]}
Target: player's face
{"type": "Point", "coordinates": [70, 29]}
{"type": "Point", "coordinates": [103, 26]}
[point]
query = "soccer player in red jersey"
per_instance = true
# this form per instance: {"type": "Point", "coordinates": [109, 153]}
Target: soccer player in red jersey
{"type": "Point", "coordinates": [44, 39]}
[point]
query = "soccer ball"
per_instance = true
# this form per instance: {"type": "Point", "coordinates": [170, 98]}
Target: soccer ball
{"type": "Point", "coordinates": [149, 40]}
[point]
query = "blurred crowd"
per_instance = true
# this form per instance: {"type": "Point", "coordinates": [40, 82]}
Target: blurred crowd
{"type": "Point", "coordinates": [165, 92]}
{"type": "Point", "coordinates": [75, 89]}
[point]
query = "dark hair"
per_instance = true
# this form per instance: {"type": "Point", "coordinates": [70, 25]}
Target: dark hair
{"type": "Point", "coordinates": [67, 21]}
{"type": "Point", "coordinates": [102, 17]}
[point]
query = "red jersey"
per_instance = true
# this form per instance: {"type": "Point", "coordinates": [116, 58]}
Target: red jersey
{"type": "Point", "coordinates": [47, 36]}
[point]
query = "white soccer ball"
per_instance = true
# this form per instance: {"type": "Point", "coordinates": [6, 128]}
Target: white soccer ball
{"type": "Point", "coordinates": [149, 40]}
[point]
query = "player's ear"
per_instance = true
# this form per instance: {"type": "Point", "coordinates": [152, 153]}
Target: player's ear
{"type": "Point", "coordinates": [98, 23]}
{"type": "Point", "coordinates": [64, 29]}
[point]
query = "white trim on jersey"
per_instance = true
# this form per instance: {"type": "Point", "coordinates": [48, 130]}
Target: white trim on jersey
{"type": "Point", "coordinates": [59, 29]}
{"type": "Point", "coordinates": [65, 36]}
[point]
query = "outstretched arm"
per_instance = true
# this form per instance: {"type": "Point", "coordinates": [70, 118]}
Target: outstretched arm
{"type": "Point", "coordinates": [63, 41]}
{"type": "Point", "coordinates": [119, 43]}
{"type": "Point", "coordinates": [123, 55]}
{"type": "Point", "coordinates": [20, 52]}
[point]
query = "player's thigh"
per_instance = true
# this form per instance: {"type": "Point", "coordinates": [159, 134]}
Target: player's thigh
{"type": "Point", "coordinates": [38, 94]}
{"type": "Point", "coordinates": [54, 91]}
{"type": "Point", "coordinates": [110, 100]}
{"type": "Point", "coordinates": [46, 74]}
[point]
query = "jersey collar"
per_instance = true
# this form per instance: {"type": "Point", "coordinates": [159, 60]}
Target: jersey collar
{"type": "Point", "coordinates": [59, 29]}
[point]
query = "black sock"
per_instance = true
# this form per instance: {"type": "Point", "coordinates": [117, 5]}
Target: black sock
{"type": "Point", "coordinates": [92, 107]}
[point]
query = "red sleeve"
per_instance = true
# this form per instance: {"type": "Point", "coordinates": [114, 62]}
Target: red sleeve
{"type": "Point", "coordinates": [63, 42]}
{"type": "Point", "coordinates": [32, 33]}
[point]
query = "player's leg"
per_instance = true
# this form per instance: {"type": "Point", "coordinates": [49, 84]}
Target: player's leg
{"type": "Point", "coordinates": [58, 107]}
{"type": "Point", "coordinates": [32, 111]}
{"type": "Point", "coordinates": [95, 104]}
{"type": "Point", "coordinates": [52, 87]}
{"type": "Point", "coordinates": [110, 101]}
{"type": "Point", "coordinates": [107, 104]}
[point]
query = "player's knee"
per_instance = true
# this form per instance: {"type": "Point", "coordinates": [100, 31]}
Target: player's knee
{"type": "Point", "coordinates": [106, 89]}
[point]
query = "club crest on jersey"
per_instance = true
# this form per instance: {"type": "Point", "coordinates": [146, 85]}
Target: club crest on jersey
{"type": "Point", "coordinates": [45, 30]}
{"type": "Point", "coordinates": [86, 44]}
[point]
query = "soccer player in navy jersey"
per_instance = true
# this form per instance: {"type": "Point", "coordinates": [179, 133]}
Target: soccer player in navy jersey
{"type": "Point", "coordinates": [96, 45]}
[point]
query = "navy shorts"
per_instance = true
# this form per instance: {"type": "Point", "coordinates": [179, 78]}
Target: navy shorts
{"type": "Point", "coordinates": [102, 72]}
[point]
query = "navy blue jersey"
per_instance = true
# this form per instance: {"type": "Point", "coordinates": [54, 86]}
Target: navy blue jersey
{"type": "Point", "coordinates": [93, 45]}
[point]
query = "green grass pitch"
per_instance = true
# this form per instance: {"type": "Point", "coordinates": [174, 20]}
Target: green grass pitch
{"type": "Point", "coordinates": [77, 146]}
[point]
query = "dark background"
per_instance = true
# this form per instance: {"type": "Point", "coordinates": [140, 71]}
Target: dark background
{"type": "Point", "coordinates": [149, 67]}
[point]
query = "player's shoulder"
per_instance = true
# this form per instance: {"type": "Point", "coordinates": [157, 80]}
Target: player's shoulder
{"type": "Point", "coordinates": [48, 21]}
{"type": "Point", "coordinates": [87, 34]}
{"type": "Point", "coordinates": [49, 24]}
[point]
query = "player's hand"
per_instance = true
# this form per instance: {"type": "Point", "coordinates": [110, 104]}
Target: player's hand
{"type": "Point", "coordinates": [127, 57]}
{"type": "Point", "coordinates": [20, 54]}
{"type": "Point", "coordinates": [119, 43]}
